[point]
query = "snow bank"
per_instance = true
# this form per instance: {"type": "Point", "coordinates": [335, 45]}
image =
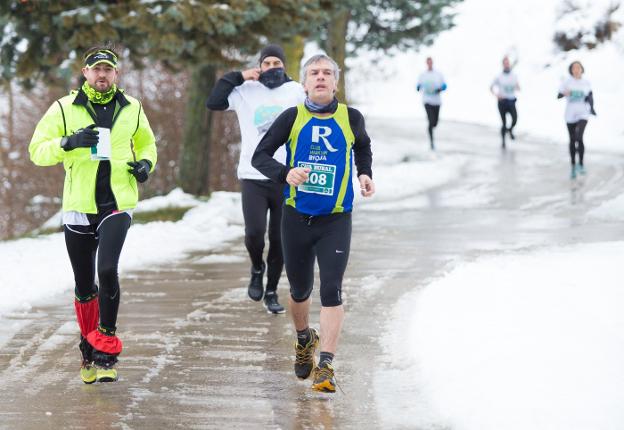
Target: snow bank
{"type": "Point", "coordinates": [529, 341]}
{"type": "Point", "coordinates": [38, 268]}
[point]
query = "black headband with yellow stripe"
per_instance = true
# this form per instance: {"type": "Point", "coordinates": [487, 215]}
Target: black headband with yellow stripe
{"type": "Point", "coordinates": [101, 56]}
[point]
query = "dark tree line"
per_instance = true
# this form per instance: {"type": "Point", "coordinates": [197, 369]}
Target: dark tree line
{"type": "Point", "coordinates": [189, 43]}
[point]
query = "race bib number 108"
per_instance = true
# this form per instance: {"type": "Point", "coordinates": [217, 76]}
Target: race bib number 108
{"type": "Point", "coordinates": [320, 179]}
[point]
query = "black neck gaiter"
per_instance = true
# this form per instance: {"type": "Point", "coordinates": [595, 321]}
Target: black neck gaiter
{"type": "Point", "coordinates": [273, 78]}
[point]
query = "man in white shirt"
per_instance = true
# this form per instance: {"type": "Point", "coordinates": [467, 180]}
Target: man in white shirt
{"type": "Point", "coordinates": [504, 88]}
{"type": "Point", "coordinates": [258, 95]}
{"type": "Point", "coordinates": [431, 84]}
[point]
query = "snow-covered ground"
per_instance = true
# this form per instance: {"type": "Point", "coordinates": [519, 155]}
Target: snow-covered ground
{"type": "Point", "coordinates": [523, 341]}
{"type": "Point", "coordinates": [470, 55]}
{"type": "Point", "coordinates": [527, 340]}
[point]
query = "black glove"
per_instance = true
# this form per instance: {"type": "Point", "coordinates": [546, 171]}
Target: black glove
{"type": "Point", "coordinates": [438, 90]}
{"type": "Point", "coordinates": [590, 100]}
{"type": "Point", "coordinates": [140, 169]}
{"type": "Point", "coordinates": [82, 138]}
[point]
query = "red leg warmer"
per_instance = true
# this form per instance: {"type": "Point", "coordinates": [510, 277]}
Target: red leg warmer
{"type": "Point", "coordinates": [88, 315]}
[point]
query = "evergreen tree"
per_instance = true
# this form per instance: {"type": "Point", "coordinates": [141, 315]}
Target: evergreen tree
{"type": "Point", "coordinates": [45, 39]}
{"type": "Point", "coordinates": [381, 25]}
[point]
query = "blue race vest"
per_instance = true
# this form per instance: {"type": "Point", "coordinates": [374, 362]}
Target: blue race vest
{"type": "Point", "coordinates": [323, 144]}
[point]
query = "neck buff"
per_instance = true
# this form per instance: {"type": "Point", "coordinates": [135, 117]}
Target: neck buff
{"type": "Point", "coordinates": [273, 78]}
{"type": "Point", "coordinates": [317, 108]}
{"type": "Point", "coordinates": [95, 96]}
{"type": "Point", "coordinates": [506, 70]}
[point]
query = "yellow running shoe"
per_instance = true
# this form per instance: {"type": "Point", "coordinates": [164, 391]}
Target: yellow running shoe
{"type": "Point", "coordinates": [88, 372]}
{"type": "Point", "coordinates": [105, 365]}
{"type": "Point", "coordinates": [105, 374]}
{"type": "Point", "coordinates": [324, 379]}
{"type": "Point", "coordinates": [304, 355]}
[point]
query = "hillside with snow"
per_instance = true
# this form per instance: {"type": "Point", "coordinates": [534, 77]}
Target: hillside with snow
{"type": "Point", "coordinates": [470, 54]}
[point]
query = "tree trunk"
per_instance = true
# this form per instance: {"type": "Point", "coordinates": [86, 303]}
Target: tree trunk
{"type": "Point", "coordinates": [8, 196]}
{"type": "Point", "coordinates": [336, 47]}
{"type": "Point", "coordinates": [195, 156]}
{"type": "Point", "coordinates": [294, 53]}
{"type": "Point", "coordinates": [225, 135]}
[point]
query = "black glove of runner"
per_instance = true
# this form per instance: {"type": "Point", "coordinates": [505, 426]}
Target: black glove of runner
{"type": "Point", "coordinates": [82, 138]}
{"type": "Point", "coordinates": [140, 169]}
{"type": "Point", "coordinates": [590, 100]}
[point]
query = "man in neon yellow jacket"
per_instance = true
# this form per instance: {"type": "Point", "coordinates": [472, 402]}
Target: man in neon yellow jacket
{"type": "Point", "coordinates": [106, 145]}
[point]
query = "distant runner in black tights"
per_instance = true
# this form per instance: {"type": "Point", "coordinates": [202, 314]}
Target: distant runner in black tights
{"type": "Point", "coordinates": [431, 84]}
{"type": "Point", "coordinates": [580, 105]}
{"type": "Point", "coordinates": [504, 87]}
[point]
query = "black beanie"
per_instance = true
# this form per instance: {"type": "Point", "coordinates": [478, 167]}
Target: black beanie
{"type": "Point", "coordinates": [272, 51]}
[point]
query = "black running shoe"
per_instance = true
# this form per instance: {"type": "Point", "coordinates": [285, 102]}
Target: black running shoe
{"type": "Point", "coordinates": [272, 305]}
{"type": "Point", "coordinates": [304, 355]}
{"type": "Point", "coordinates": [511, 134]}
{"type": "Point", "coordinates": [256, 288]}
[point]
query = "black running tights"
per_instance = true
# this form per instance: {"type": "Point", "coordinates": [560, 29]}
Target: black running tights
{"type": "Point", "coordinates": [326, 239]}
{"type": "Point", "coordinates": [108, 241]}
{"type": "Point", "coordinates": [576, 131]}
{"type": "Point", "coordinates": [260, 197]}
{"type": "Point", "coordinates": [433, 113]}
{"type": "Point", "coordinates": [507, 106]}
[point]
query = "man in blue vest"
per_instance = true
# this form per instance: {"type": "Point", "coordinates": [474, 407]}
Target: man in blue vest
{"type": "Point", "coordinates": [323, 139]}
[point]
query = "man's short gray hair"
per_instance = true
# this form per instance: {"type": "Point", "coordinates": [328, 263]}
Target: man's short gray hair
{"type": "Point", "coordinates": [315, 59]}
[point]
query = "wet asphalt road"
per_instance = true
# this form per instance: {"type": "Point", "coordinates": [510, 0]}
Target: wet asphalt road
{"type": "Point", "coordinates": [198, 354]}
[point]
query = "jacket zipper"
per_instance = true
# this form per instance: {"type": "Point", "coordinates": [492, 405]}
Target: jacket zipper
{"type": "Point", "coordinates": [115, 116]}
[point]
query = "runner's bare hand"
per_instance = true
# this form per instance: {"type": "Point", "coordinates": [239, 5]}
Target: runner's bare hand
{"type": "Point", "coordinates": [367, 187]}
{"type": "Point", "coordinates": [251, 74]}
{"type": "Point", "coordinates": [297, 176]}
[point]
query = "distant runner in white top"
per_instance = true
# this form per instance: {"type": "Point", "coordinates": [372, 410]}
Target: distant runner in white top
{"type": "Point", "coordinates": [580, 105]}
{"type": "Point", "coordinates": [431, 84]}
{"type": "Point", "coordinates": [259, 95]}
{"type": "Point", "coordinates": [504, 87]}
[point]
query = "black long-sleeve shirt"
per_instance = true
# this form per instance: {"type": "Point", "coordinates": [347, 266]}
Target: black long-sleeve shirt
{"type": "Point", "coordinates": [278, 134]}
{"type": "Point", "coordinates": [218, 98]}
